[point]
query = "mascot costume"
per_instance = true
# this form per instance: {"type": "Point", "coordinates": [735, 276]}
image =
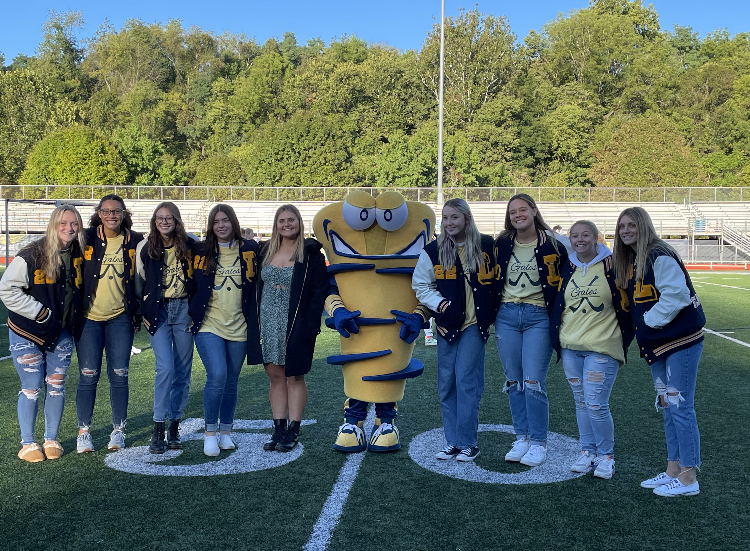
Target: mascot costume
{"type": "Point", "coordinates": [372, 245]}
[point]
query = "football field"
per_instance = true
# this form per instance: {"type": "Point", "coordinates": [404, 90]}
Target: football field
{"type": "Point", "coordinates": [315, 498]}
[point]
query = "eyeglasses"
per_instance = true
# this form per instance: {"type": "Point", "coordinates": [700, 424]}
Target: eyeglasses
{"type": "Point", "coordinates": [162, 219]}
{"type": "Point", "coordinates": [113, 212]}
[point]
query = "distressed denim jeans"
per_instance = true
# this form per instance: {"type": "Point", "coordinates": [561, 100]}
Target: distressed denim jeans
{"type": "Point", "coordinates": [173, 352]}
{"type": "Point", "coordinates": [524, 347]}
{"type": "Point", "coordinates": [591, 376]}
{"type": "Point", "coordinates": [115, 337]}
{"type": "Point", "coordinates": [34, 367]}
{"type": "Point", "coordinates": [674, 380]}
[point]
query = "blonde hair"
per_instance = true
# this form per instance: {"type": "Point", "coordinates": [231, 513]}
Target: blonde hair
{"type": "Point", "coordinates": [623, 256]}
{"type": "Point", "coordinates": [46, 251]}
{"type": "Point", "coordinates": [447, 246]}
{"type": "Point", "coordinates": [274, 244]}
{"type": "Point", "coordinates": [589, 224]}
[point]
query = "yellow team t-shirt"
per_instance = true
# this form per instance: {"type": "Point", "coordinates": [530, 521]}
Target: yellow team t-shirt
{"type": "Point", "coordinates": [471, 314]}
{"type": "Point", "coordinates": [224, 311]}
{"type": "Point", "coordinates": [589, 321]}
{"type": "Point", "coordinates": [173, 283]}
{"type": "Point", "coordinates": [109, 297]}
{"type": "Point", "coordinates": [523, 283]}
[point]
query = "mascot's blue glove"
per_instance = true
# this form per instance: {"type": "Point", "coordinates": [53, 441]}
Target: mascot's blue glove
{"type": "Point", "coordinates": [412, 324]}
{"type": "Point", "coordinates": [345, 321]}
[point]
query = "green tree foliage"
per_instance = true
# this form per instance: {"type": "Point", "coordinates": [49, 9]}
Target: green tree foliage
{"type": "Point", "coordinates": [74, 156]}
{"type": "Point", "coordinates": [599, 96]}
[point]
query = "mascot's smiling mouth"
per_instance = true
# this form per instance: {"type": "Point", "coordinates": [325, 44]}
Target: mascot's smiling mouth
{"type": "Point", "coordinates": [342, 248]}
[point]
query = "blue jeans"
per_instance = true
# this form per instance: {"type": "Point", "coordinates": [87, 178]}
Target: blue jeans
{"type": "Point", "coordinates": [223, 362]}
{"type": "Point", "coordinates": [114, 336]}
{"type": "Point", "coordinates": [591, 376]}
{"type": "Point", "coordinates": [173, 351]}
{"type": "Point", "coordinates": [356, 410]}
{"type": "Point", "coordinates": [460, 385]}
{"type": "Point", "coordinates": [523, 344]}
{"type": "Point", "coordinates": [674, 379]}
{"type": "Point", "coordinates": [32, 364]}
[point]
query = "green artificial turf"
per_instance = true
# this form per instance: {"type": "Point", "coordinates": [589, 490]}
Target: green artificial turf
{"type": "Point", "coordinates": [77, 502]}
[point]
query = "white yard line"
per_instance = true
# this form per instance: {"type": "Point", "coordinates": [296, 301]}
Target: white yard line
{"type": "Point", "coordinates": [334, 505]}
{"type": "Point", "coordinates": [743, 343]}
{"type": "Point", "coordinates": [6, 358]}
{"type": "Point", "coordinates": [726, 286]}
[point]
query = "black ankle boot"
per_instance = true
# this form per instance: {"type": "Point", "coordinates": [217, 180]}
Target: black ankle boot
{"type": "Point", "coordinates": [157, 439]}
{"type": "Point", "coordinates": [289, 442]}
{"type": "Point", "coordinates": [174, 442]}
{"type": "Point", "coordinates": [279, 428]}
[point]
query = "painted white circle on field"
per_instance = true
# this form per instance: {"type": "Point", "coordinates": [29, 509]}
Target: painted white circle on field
{"type": "Point", "coordinates": [562, 451]}
{"type": "Point", "coordinates": [249, 455]}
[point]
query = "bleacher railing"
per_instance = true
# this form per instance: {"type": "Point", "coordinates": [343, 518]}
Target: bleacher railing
{"type": "Point", "coordinates": [684, 195]}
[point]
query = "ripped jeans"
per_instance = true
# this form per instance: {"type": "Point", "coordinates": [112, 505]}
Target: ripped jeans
{"type": "Point", "coordinates": [523, 344]}
{"type": "Point", "coordinates": [674, 380]}
{"type": "Point", "coordinates": [35, 367]}
{"type": "Point", "coordinates": [591, 376]}
{"type": "Point", "coordinates": [114, 336]}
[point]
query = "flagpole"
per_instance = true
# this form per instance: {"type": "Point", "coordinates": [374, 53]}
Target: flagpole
{"type": "Point", "coordinates": [440, 108]}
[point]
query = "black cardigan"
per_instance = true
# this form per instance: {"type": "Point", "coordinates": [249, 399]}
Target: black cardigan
{"type": "Point", "coordinates": [306, 301]}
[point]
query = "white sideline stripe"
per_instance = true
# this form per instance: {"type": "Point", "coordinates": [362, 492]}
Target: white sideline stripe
{"type": "Point", "coordinates": [727, 286]}
{"type": "Point", "coordinates": [334, 505]}
{"type": "Point", "coordinates": [6, 358]}
{"type": "Point", "coordinates": [743, 343]}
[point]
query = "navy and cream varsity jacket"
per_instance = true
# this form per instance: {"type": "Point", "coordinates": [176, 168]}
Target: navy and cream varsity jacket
{"type": "Point", "coordinates": [96, 247]}
{"type": "Point", "coordinates": [667, 315]}
{"type": "Point", "coordinates": [36, 302]}
{"type": "Point", "coordinates": [548, 261]}
{"type": "Point", "coordinates": [150, 277]}
{"type": "Point", "coordinates": [619, 302]}
{"type": "Point", "coordinates": [443, 291]}
{"type": "Point", "coordinates": [204, 285]}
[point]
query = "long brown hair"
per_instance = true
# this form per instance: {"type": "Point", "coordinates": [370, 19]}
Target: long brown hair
{"type": "Point", "coordinates": [46, 251]}
{"type": "Point", "coordinates": [539, 222]}
{"type": "Point", "coordinates": [212, 242]}
{"type": "Point", "coordinates": [155, 244]}
{"type": "Point", "coordinates": [624, 257]}
{"type": "Point", "coordinates": [274, 244]}
{"type": "Point", "coordinates": [126, 222]}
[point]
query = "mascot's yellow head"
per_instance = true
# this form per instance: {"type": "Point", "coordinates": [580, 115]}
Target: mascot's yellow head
{"type": "Point", "coordinates": [363, 227]}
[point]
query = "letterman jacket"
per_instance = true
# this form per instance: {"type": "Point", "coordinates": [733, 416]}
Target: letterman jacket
{"type": "Point", "coordinates": [548, 261]}
{"type": "Point", "coordinates": [667, 315]}
{"type": "Point", "coordinates": [149, 279]}
{"type": "Point", "coordinates": [36, 303]}
{"type": "Point", "coordinates": [96, 247]}
{"type": "Point", "coordinates": [204, 284]}
{"type": "Point", "coordinates": [307, 296]}
{"type": "Point", "coordinates": [619, 302]}
{"type": "Point", "coordinates": [444, 293]}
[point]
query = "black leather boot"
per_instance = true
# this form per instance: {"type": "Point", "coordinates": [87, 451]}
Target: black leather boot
{"type": "Point", "coordinates": [289, 442]}
{"type": "Point", "coordinates": [157, 439]}
{"type": "Point", "coordinates": [174, 442]}
{"type": "Point", "coordinates": [279, 428]}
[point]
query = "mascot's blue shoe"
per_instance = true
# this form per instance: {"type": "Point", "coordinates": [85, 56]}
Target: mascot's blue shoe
{"type": "Point", "coordinates": [384, 437]}
{"type": "Point", "coordinates": [351, 438]}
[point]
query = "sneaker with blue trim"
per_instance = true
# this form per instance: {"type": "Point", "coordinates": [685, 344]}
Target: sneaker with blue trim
{"type": "Point", "coordinates": [384, 437]}
{"type": "Point", "coordinates": [448, 452]}
{"type": "Point", "coordinates": [468, 454]}
{"type": "Point", "coordinates": [84, 443]}
{"type": "Point", "coordinates": [351, 438]}
{"type": "Point", "coordinates": [116, 440]}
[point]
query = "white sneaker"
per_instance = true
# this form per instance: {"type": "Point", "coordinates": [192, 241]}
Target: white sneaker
{"type": "Point", "coordinates": [659, 480]}
{"type": "Point", "coordinates": [226, 442]}
{"type": "Point", "coordinates": [584, 463]}
{"type": "Point", "coordinates": [210, 445]}
{"type": "Point", "coordinates": [605, 466]}
{"type": "Point", "coordinates": [677, 489]}
{"type": "Point", "coordinates": [116, 440]}
{"type": "Point", "coordinates": [535, 456]}
{"type": "Point", "coordinates": [430, 340]}
{"type": "Point", "coordinates": [519, 449]}
{"type": "Point", "coordinates": [84, 444]}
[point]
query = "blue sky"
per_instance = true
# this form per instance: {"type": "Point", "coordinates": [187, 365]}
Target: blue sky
{"type": "Point", "coordinates": [403, 24]}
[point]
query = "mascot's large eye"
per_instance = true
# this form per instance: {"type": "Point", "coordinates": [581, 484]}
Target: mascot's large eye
{"type": "Point", "coordinates": [392, 219]}
{"type": "Point", "coordinates": [358, 218]}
